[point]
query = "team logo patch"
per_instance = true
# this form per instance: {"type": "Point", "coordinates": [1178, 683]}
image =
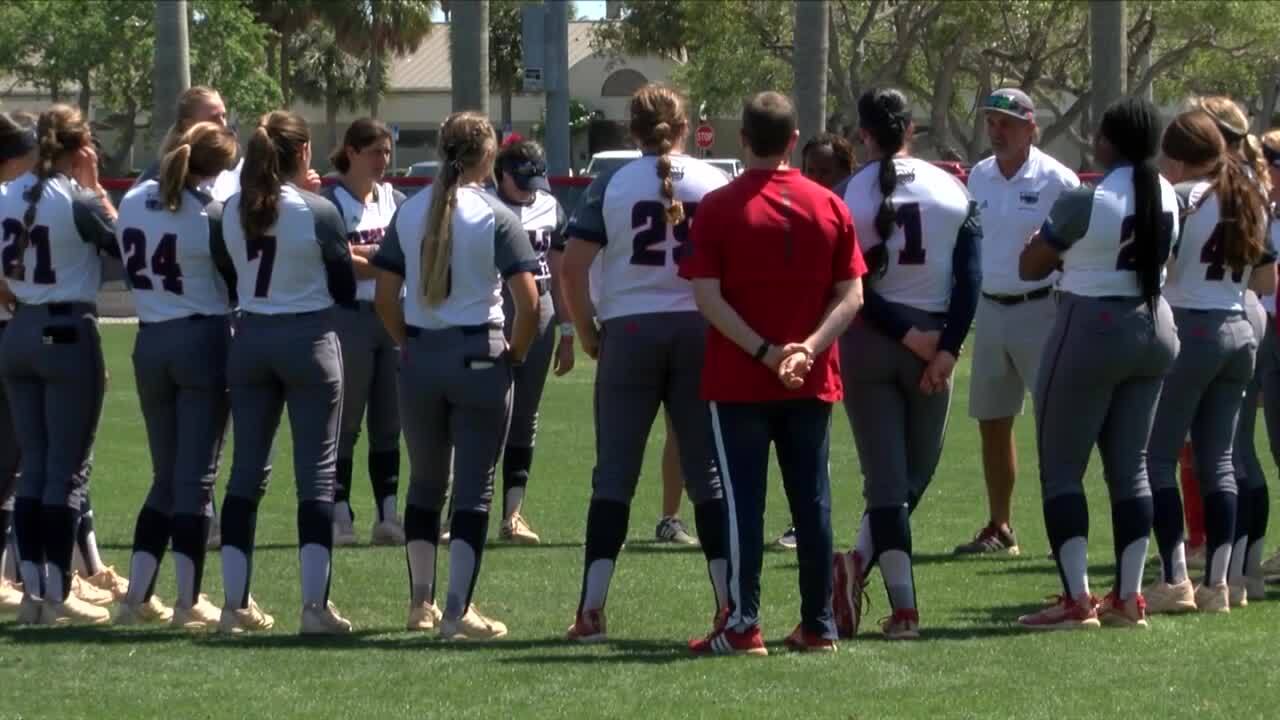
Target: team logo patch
{"type": "Point", "coordinates": [906, 176]}
{"type": "Point", "coordinates": [1029, 198]}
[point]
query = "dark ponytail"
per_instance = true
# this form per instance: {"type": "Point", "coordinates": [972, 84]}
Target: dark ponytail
{"type": "Point", "coordinates": [885, 114]}
{"type": "Point", "coordinates": [1132, 126]}
{"type": "Point", "coordinates": [271, 158]}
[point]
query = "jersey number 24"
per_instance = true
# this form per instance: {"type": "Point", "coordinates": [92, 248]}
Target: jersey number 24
{"type": "Point", "coordinates": [164, 261]}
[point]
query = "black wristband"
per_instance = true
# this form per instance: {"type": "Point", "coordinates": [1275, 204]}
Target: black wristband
{"type": "Point", "coordinates": [762, 351]}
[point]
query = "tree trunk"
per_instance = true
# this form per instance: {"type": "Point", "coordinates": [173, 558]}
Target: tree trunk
{"type": "Point", "coordinates": [86, 93]}
{"type": "Point", "coordinates": [373, 86]}
{"type": "Point", "coordinates": [273, 58]}
{"type": "Point", "coordinates": [1270, 92]}
{"type": "Point", "coordinates": [286, 91]}
{"type": "Point", "coordinates": [506, 109]}
{"type": "Point", "coordinates": [119, 165]}
{"type": "Point", "coordinates": [331, 114]}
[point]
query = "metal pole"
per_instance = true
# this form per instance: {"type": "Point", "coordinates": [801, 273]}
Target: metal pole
{"type": "Point", "coordinates": [810, 66]}
{"type": "Point", "coordinates": [469, 55]}
{"type": "Point", "coordinates": [1108, 54]}
{"type": "Point", "coordinates": [557, 136]}
{"type": "Point", "coordinates": [171, 68]}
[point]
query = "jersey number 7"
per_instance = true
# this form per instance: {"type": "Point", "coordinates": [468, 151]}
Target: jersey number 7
{"type": "Point", "coordinates": [263, 246]}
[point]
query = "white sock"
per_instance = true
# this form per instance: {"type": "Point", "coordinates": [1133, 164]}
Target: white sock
{"type": "Point", "coordinates": [1253, 559]}
{"type": "Point", "coordinates": [599, 574]}
{"type": "Point", "coordinates": [9, 559]}
{"type": "Point", "coordinates": [53, 590]}
{"type": "Point", "coordinates": [1074, 558]}
{"type": "Point", "coordinates": [1179, 563]}
{"type": "Point", "coordinates": [1132, 562]}
{"type": "Point", "coordinates": [422, 571]}
{"type": "Point", "coordinates": [185, 568]}
{"type": "Point", "coordinates": [1235, 575]}
{"type": "Point", "coordinates": [895, 568]}
{"type": "Point", "coordinates": [462, 567]}
{"type": "Point", "coordinates": [863, 545]}
{"type": "Point", "coordinates": [235, 577]}
{"type": "Point", "coordinates": [718, 569]}
{"type": "Point", "coordinates": [342, 513]}
{"type": "Point", "coordinates": [1216, 570]}
{"type": "Point", "coordinates": [142, 570]}
{"type": "Point", "coordinates": [32, 578]}
{"type": "Point", "coordinates": [314, 558]}
{"type": "Point", "coordinates": [388, 508]}
{"type": "Point", "coordinates": [512, 500]}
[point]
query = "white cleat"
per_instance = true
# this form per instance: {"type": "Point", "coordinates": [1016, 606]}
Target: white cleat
{"type": "Point", "coordinates": [323, 619]}
{"type": "Point", "coordinates": [344, 531]}
{"type": "Point", "coordinates": [113, 582]}
{"type": "Point", "coordinates": [1237, 594]}
{"type": "Point", "coordinates": [30, 611]}
{"type": "Point", "coordinates": [151, 612]}
{"type": "Point", "coordinates": [1164, 598]}
{"type": "Point", "coordinates": [1213, 598]}
{"type": "Point", "coordinates": [472, 626]}
{"type": "Point", "coordinates": [423, 617]}
{"type": "Point", "coordinates": [515, 529]}
{"type": "Point", "coordinates": [203, 615]}
{"type": "Point", "coordinates": [89, 593]}
{"type": "Point", "coordinates": [250, 619]}
{"type": "Point", "coordinates": [387, 532]}
{"type": "Point", "coordinates": [10, 596]}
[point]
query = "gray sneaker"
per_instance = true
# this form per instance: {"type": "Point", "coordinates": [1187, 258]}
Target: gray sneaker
{"type": "Point", "coordinates": [672, 530]}
{"type": "Point", "coordinates": [787, 540]}
{"type": "Point", "coordinates": [991, 540]}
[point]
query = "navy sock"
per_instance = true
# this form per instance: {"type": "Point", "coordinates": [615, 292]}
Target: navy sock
{"type": "Point", "coordinates": [342, 482]}
{"type": "Point", "coordinates": [890, 530]}
{"type": "Point", "coordinates": [607, 522]}
{"type": "Point", "coordinates": [315, 530]}
{"type": "Point", "coordinates": [58, 530]}
{"type": "Point", "coordinates": [472, 528]}
{"type": "Point", "coordinates": [189, 535]}
{"type": "Point", "coordinates": [384, 476]}
{"type": "Point", "coordinates": [239, 530]}
{"type": "Point", "coordinates": [28, 515]}
{"type": "Point", "coordinates": [1065, 517]}
{"type": "Point", "coordinates": [421, 525]}
{"type": "Point", "coordinates": [1220, 524]}
{"type": "Point", "coordinates": [1167, 505]}
{"type": "Point", "coordinates": [1259, 513]}
{"type": "Point", "coordinates": [1131, 520]}
{"type": "Point", "coordinates": [151, 536]}
{"type": "Point", "coordinates": [516, 462]}
{"type": "Point", "coordinates": [711, 520]}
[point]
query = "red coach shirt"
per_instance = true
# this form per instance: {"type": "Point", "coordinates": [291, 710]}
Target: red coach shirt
{"type": "Point", "coordinates": [778, 243]}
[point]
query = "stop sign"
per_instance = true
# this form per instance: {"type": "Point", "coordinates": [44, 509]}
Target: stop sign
{"type": "Point", "coordinates": [705, 136]}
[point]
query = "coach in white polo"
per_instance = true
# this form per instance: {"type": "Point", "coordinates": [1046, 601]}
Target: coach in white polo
{"type": "Point", "coordinates": [1014, 189]}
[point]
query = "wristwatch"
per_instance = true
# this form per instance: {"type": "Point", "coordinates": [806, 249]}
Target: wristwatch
{"type": "Point", "coordinates": [762, 351]}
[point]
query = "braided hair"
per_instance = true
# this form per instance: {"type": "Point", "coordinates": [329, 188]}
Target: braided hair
{"type": "Point", "coordinates": [659, 122]}
{"type": "Point", "coordinates": [1132, 126]}
{"type": "Point", "coordinates": [60, 130]}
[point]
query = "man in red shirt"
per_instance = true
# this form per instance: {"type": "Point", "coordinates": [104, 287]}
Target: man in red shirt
{"type": "Point", "coordinates": [775, 267]}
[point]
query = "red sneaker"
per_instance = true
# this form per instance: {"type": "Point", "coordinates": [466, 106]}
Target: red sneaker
{"type": "Point", "coordinates": [848, 590]}
{"type": "Point", "coordinates": [588, 627]}
{"type": "Point", "coordinates": [1131, 613]}
{"type": "Point", "coordinates": [903, 624]}
{"type": "Point", "coordinates": [1065, 613]}
{"type": "Point", "coordinates": [724, 640]}
{"type": "Point", "coordinates": [801, 640]}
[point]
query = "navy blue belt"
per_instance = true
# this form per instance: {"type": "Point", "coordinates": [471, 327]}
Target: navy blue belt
{"type": "Point", "coordinates": [485, 329]}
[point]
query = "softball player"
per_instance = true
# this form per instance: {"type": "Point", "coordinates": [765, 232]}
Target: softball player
{"type": "Point", "coordinates": [522, 185]}
{"type": "Point", "coordinates": [292, 263]}
{"type": "Point", "coordinates": [1222, 249]}
{"type": "Point", "coordinates": [1268, 378]}
{"type": "Point", "coordinates": [369, 357]}
{"type": "Point", "coordinates": [451, 247]}
{"type": "Point", "coordinates": [1112, 344]}
{"type": "Point", "coordinates": [922, 232]}
{"type": "Point", "coordinates": [650, 345]}
{"type": "Point", "coordinates": [176, 266]}
{"type": "Point", "coordinates": [198, 104]}
{"type": "Point", "coordinates": [17, 157]}
{"type": "Point", "coordinates": [56, 219]}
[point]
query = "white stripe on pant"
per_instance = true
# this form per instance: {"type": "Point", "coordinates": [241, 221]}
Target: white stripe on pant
{"type": "Point", "coordinates": [735, 578]}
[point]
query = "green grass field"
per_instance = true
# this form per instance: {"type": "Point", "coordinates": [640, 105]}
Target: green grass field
{"type": "Point", "coordinates": [972, 662]}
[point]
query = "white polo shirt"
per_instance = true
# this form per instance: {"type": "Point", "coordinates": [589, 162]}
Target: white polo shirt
{"type": "Point", "coordinates": [1011, 211]}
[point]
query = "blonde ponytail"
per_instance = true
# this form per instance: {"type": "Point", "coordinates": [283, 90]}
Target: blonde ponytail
{"type": "Point", "coordinates": [174, 168]}
{"type": "Point", "coordinates": [466, 141]}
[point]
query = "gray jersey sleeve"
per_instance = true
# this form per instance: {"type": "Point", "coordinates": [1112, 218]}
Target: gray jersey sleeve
{"type": "Point", "coordinates": [390, 255]}
{"type": "Point", "coordinates": [587, 221]}
{"type": "Point", "coordinates": [93, 222]}
{"type": "Point", "coordinates": [331, 234]}
{"type": "Point", "coordinates": [398, 197]}
{"type": "Point", "coordinates": [1068, 221]}
{"type": "Point", "coordinates": [218, 249]}
{"type": "Point", "coordinates": [558, 233]}
{"type": "Point", "coordinates": [151, 173]}
{"type": "Point", "coordinates": [512, 251]}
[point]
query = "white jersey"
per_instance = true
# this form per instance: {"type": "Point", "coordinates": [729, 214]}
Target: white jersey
{"type": "Point", "coordinates": [1199, 278]}
{"type": "Point", "coordinates": [544, 222]}
{"type": "Point", "coordinates": [1092, 228]}
{"type": "Point", "coordinates": [1011, 211]}
{"type": "Point", "coordinates": [220, 188]}
{"type": "Point", "coordinates": [61, 263]}
{"type": "Point", "coordinates": [169, 257]}
{"type": "Point", "coordinates": [624, 212]}
{"type": "Point", "coordinates": [931, 207]}
{"type": "Point", "coordinates": [293, 267]}
{"type": "Point", "coordinates": [488, 246]}
{"type": "Point", "coordinates": [366, 222]}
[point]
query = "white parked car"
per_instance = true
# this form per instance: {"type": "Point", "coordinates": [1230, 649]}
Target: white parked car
{"type": "Point", "coordinates": [610, 160]}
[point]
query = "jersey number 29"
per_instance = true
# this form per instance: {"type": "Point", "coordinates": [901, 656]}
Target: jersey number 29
{"type": "Point", "coordinates": [164, 261]}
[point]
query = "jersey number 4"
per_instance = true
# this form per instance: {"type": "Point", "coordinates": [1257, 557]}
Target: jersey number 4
{"type": "Point", "coordinates": [164, 261]}
{"type": "Point", "coordinates": [649, 220]}
{"type": "Point", "coordinates": [1214, 254]}
{"type": "Point", "coordinates": [38, 238]}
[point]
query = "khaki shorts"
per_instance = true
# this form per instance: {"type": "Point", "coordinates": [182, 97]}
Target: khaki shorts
{"type": "Point", "coordinates": [1007, 343]}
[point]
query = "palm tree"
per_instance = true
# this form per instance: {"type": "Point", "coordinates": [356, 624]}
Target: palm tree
{"type": "Point", "coordinates": [378, 30]}
{"type": "Point", "coordinates": [324, 74]}
{"type": "Point", "coordinates": [286, 17]}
